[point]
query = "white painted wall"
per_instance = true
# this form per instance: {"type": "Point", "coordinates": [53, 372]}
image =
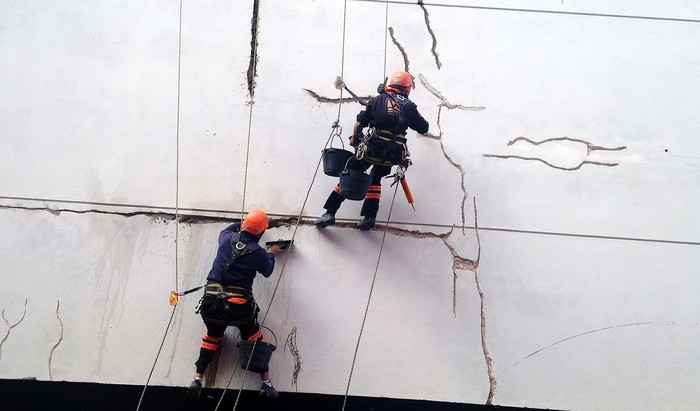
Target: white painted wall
{"type": "Point", "coordinates": [589, 277]}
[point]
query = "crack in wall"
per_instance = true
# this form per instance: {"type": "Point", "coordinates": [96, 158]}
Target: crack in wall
{"type": "Point", "coordinates": [252, 65]}
{"type": "Point", "coordinates": [401, 49]}
{"type": "Point", "coordinates": [590, 147]}
{"type": "Point", "coordinates": [10, 327]}
{"type": "Point", "coordinates": [323, 99]}
{"type": "Point", "coordinates": [58, 211]}
{"type": "Point", "coordinates": [449, 106]}
{"type": "Point", "coordinates": [571, 338]}
{"type": "Point", "coordinates": [432, 34]}
{"type": "Point", "coordinates": [443, 100]}
{"type": "Point", "coordinates": [294, 350]}
{"type": "Point", "coordinates": [581, 164]}
{"type": "Point", "coordinates": [484, 346]}
{"type": "Point", "coordinates": [60, 340]}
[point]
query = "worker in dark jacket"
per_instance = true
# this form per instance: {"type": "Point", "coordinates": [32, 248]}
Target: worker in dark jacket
{"type": "Point", "coordinates": [388, 115]}
{"type": "Point", "coordinates": [228, 299]}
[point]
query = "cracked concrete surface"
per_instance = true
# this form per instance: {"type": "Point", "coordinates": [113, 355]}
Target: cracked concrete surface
{"type": "Point", "coordinates": [449, 106]}
{"type": "Point", "coordinates": [323, 99]}
{"type": "Point", "coordinates": [11, 326]}
{"type": "Point", "coordinates": [432, 34]}
{"type": "Point", "coordinates": [291, 342]}
{"type": "Point", "coordinates": [60, 340]}
{"type": "Point", "coordinates": [401, 49]}
{"type": "Point", "coordinates": [571, 338]}
{"type": "Point", "coordinates": [590, 147]}
{"type": "Point", "coordinates": [252, 65]}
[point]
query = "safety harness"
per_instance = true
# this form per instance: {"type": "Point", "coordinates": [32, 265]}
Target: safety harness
{"type": "Point", "coordinates": [377, 145]}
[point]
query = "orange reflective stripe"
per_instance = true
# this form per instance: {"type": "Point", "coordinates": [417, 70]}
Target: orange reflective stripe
{"type": "Point", "coordinates": [375, 188]}
{"type": "Point", "coordinates": [337, 188]}
{"type": "Point", "coordinates": [237, 300]}
{"type": "Point", "coordinates": [210, 347]}
{"type": "Point", "coordinates": [373, 196]}
{"type": "Point", "coordinates": [211, 339]}
{"type": "Point", "coordinates": [257, 336]}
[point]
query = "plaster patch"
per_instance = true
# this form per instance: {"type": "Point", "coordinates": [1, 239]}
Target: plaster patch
{"type": "Point", "coordinates": [590, 147]}
{"type": "Point", "coordinates": [60, 340]}
{"type": "Point", "coordinates": [432, 34]}
{"type": "Point", "coordinates": [323, 99]}
{"type": "Point", "coordinates": [252, 65]}
{"type": "Point", "coordinates": [401, 49]}
{"type": "Point", "coordinates": [10, 327]}
{"type": "Point", "coordinates": [294, 350]}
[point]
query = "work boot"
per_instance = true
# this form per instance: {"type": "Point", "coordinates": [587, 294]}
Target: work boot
{"type": "Point", "coordinates": [366, 223]}
{"type": "Point", "coordinates": [325, 220]}
{"type": "Point", "coordinates": [195, 388]}
{"type": "Point", "coordinates": [268, 391]}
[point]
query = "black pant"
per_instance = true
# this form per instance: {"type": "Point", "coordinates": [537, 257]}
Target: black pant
{"type": "Point", "coordinates": [370, 207]}
{"type": "Point", "coordinates": [217, 314]}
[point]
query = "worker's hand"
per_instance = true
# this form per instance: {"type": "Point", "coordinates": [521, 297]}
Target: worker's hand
{"type": "Point", "coordinates": [274, 249]}
{"type": "Point", "coordinates": [355, 140]}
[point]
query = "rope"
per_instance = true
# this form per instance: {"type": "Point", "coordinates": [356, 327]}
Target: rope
{"type": "Point", "coordinates": [177, 207]}
{"type": "Point", "coordinates": [381, 247]}
{"type": "Point", "coordinates": [342, 58]}
{"type": "Point", "coordinates": [369, 298]}
{"type": "Point", "coordinates": [386, 31]}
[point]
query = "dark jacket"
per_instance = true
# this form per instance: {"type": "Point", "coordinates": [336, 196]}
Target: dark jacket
{"type": "Point", "coordinates": [243, 270]}
{"type": "Point", "coordinates": [383, 111]}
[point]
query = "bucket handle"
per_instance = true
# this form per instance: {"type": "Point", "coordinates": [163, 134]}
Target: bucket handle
{"type": "Point", "coordinates": [336, 132]}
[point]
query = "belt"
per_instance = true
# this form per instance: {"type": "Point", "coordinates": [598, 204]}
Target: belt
{"type": "Point", "coordinates": [388, 135]}
{"type": "Point", "coordinates": [230, 291]}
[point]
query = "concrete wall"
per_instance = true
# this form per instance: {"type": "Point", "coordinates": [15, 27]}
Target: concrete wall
{"type": "Point", "coordinates": [551, 260]}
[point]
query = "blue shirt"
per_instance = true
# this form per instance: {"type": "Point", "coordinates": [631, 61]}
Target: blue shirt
{"type": "Point", "coordinates": [243, 270]}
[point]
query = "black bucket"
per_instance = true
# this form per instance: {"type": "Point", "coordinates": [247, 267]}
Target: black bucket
{"type": "Point", "coordinates": [261, 356]}
{"type": "Point", "coordinates": [334, 160]}
{"type": "Point", "coordinates": [354, 184]}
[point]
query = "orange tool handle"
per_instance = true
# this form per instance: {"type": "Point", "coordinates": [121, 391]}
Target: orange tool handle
{"type": "Point", "coordinates": [407, 191]}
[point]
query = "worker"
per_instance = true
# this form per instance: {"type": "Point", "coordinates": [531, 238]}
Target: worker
{"type": "Point", "coordinates": [388, 115]}
{"type": "Point", "coordinates": [228, 299]}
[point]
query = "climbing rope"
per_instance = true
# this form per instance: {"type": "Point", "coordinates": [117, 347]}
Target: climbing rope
{"type": "Point", "coordinates": [177, 207]}
{"type": "Point", "coordinates": [381, 247]}
{"type": "Point", "coordinates": [336, 130]}
{"type": "Point", "coordinates": [369, 298]}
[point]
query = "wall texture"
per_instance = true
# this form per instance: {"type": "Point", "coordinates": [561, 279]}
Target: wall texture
{"type": "Point", "coordinates": [551, 260]}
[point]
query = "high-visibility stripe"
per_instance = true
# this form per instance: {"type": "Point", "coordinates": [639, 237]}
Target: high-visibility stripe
{"type": "Point", "coordinates": [375, 188]}
{"type": "Point", "coordinates": [237, 300]}
{"type": "Point", "coordinates": [257, 336]}
{"type": "Point", "coordinates": [373, 196]}
{"type": "Point", "coordinates": [211, 339]}
{"type": "Point", "coordinates": [337, 188]}
{"type": "Point", "coordinates": [210, 347]}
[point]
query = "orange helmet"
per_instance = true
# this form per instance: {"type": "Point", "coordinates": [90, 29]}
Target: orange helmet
{"type": "Point", "coordinates": [400, 82]}
{"type": "Point", "coordinates": [255, 222]}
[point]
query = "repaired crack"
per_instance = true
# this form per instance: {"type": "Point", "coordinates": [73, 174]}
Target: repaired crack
{"type": "Point", "coordinates": [432, 34]}
{"type": "Point", "coordinates": [401, 49]}
{"type": "Point", "coordinates": [443, 100]}
{"type": "Point", "coordinates": [252, 65]}
{"type": "Point", "coordinates": [60, 339]}
{"type": "Point", "coordinates": [10, 327]}
{"type": "Point", "coordinates": [294, 350]}
{"type": "Point", "coordinates": [449, 106]}
{"type": "Point", "coordinates": [477, 280]}
{"type": "Point", "coordinates": [323, 99]}
{"type": "Point", "coordinates": [590, 147]}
